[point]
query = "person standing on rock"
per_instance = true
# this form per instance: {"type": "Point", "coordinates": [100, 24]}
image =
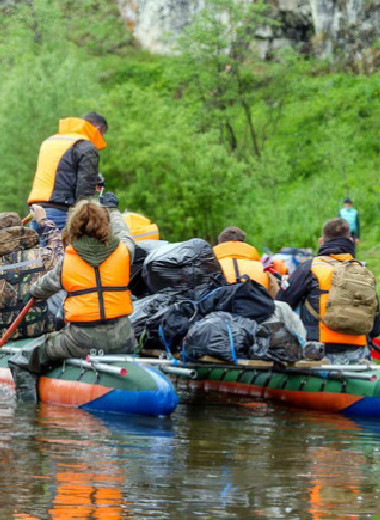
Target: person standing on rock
{"type": "Point", "coordinates": [67, 165]}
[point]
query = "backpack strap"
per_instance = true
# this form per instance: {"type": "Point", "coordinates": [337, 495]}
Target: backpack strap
{"type": "Point", "coordinates": [239, 277]}
{"type": "Point", "coordinates": [236, 267]}
{"type": "Point", "coordinates": [312, 311]}
{"type": "Point", "coordinates": [330, 260]}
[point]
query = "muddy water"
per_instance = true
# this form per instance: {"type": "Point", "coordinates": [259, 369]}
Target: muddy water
{"type": "Point", "coordinates": [212, 461]}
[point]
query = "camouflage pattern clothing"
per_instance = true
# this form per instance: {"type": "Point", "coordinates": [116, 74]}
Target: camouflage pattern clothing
{"type": "Point", "coordinates": [19, 270]}
{"type": "Point", "coordinates": [350, 356]}
{"type": "Point", "coordinates": [54, 248]}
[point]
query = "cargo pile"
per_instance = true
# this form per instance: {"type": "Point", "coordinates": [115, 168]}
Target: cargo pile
{"type": "Point", "coordinates": [184, 305]}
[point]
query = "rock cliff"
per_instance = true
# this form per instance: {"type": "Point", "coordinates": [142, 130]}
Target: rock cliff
{"type": "Point", "coordinates": [349, 28]}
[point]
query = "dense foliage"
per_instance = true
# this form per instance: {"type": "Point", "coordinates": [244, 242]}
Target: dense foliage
{"type": "Point", "coordinates": [199, 140]}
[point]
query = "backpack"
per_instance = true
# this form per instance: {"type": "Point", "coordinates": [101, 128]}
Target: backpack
{"type": "Point", "coordinates": [18, 272]}
{"type": "Point", "coordinates": [16, 238]}
{"type": "Point", "coordinates": [9, 219]}
{"type": "Point", "coordinates": [352, 302]}
{"type": "Point", "coordinates": [246, 299]}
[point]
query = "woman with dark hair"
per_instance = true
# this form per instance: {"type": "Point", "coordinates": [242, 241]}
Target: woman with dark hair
{"type": "Point", "coordinates": [94, 272]}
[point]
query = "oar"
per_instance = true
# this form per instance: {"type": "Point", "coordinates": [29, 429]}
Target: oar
{"type": "Point", "coordinates": [27, 219]}
{"type": "Point", "coordinates": [17, 321]}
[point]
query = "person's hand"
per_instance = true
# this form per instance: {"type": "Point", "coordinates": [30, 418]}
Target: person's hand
{"type": "Point", "coordinates": [357, 241]}
{"type": "Point", "coordinates": [38, 213]}
{"type": "Point", "coordinates": [109, 200]}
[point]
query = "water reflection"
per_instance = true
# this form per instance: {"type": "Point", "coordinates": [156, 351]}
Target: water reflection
{"type": "Point", "coordinates": [212, 462]}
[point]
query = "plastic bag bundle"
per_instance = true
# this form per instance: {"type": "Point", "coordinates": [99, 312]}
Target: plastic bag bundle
{"type": "Point", "coordinates": [280, 337]}
{"type": "Point", "coordinates": [222, 336]}
{"type": "Point", "coordinates": [142, 250]}
{"type": "Point", "coordinates": [183, 265]}
{"type": "Point", "coordinates": [274, 342]}
{"type": "Point", "coordinates": [149, 306]}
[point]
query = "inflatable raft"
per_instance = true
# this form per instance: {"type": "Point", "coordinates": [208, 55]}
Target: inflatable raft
{"type": "Point", "coordinates": [125, 387]}
{"type": "Point", "coordinates": [352, 390]}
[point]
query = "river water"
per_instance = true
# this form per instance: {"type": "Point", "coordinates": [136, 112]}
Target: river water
{"type": "Point", "coordinates": [211, 461]}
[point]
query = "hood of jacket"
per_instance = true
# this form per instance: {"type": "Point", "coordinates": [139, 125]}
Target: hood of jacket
{"type": "Point", "coordinates": [337, 246]}
{"type": "Point", "coordinates": [94, 252]}
{"type": "Point", "coordinates": [76, 125]}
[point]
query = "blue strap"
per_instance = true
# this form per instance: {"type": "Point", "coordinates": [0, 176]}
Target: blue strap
{"type": "Point", "coordinates": [232, 345]}
{"type": "Point", "coordinates": [166, 345]}
{"type": "Point", "coordinates": [208, 294]}
{"type": "Point", "coordinates": [301, 340]}
{"type": "Point", "coordinates": [184, 355]}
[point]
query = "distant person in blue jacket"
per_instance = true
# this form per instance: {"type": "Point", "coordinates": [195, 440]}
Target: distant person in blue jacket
{"type": "Point", "coordinates": [349, 213]}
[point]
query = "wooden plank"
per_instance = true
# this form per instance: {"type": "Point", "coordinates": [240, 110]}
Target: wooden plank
{"type": "Point", "coordinates": [152, 352]}
{"type": "Point", "coordinates": [211, 359]}
{"type": "Point", "coordinates": [264, 364]}
{"type": "Point", "coordinates": [255, 363]}
{"type": "Point", "coordinates": [309, 364]}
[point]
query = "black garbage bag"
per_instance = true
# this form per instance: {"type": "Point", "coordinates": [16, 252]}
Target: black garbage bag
{"type": "Point", "coordinates": [213, 282]}
{"type": "Point", "coordinates": [246, 299]}
{"type": "Point", "coordinates": [167, 327]}
{"type": "Point", "coordinates": [142, 249]}
{"type": "Point", "coordinates": [148, 307]}
{"type": "Point", "coordinates": [220, 335]}
{"type": "Point", "coordinates": [176, 321]}
{"type": "Point", "coordinates": [184, 264]}
{"type": "Point", "coordinates": [274, 342]}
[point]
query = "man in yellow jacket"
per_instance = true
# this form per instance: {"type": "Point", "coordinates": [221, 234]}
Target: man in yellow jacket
{"type": "Point", "coordinates": [240, 261]}
{"type": "Point", "coordinates": [67, 165]}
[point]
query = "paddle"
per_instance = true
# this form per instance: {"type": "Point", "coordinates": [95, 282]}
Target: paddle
{"type": "Point", "coordinates": [26, 219]}
{"type": "Point", "coordinates": [17, 321]}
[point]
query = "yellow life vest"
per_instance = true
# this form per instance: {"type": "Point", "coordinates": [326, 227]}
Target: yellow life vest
{"type": "Point", "coordinates": [71, 130]}
{"type": "Point", "coordinates": [238, 259]}
{"type": "Point", "coordinates": [140, 227]}
{"type": "Point", "coordinates": [323, 271]}
{"type": "Point", "coordinates": [96, 294]}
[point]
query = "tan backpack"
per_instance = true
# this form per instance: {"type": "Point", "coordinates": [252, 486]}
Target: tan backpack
{"type": "Point", "coordinates": [352, 302]}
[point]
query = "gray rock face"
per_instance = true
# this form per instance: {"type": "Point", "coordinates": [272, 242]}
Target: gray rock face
{"type": "Point", "coordinates": [326, 27]}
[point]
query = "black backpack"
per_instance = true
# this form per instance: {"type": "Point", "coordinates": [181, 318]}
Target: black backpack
{"type": "Point", "coordinates": [246, 299]}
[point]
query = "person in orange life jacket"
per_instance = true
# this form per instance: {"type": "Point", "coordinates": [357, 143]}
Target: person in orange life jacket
{"type": "Point", "coordinates": [304, 286]}
{"type": "Point", "coordinates": [240, 261]}
{"type": "Point", "coordinates": [349, 213]}
{"type": "Point", "coordinates": [94, 272]}
{"type": "Point", "coordinates": [67, 165]}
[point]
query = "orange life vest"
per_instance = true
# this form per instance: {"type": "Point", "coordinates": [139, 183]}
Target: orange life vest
{"type": "Point", "coordinates": [238, 259]}
{"type": "Point", "coordinates": [96, 294]}
{"type": "Point", "coordinates": [70, 131]}
{"type": "Point", "coordinates": [140, 227]}
{"type": "Point", "coordinates": [323, 271]}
